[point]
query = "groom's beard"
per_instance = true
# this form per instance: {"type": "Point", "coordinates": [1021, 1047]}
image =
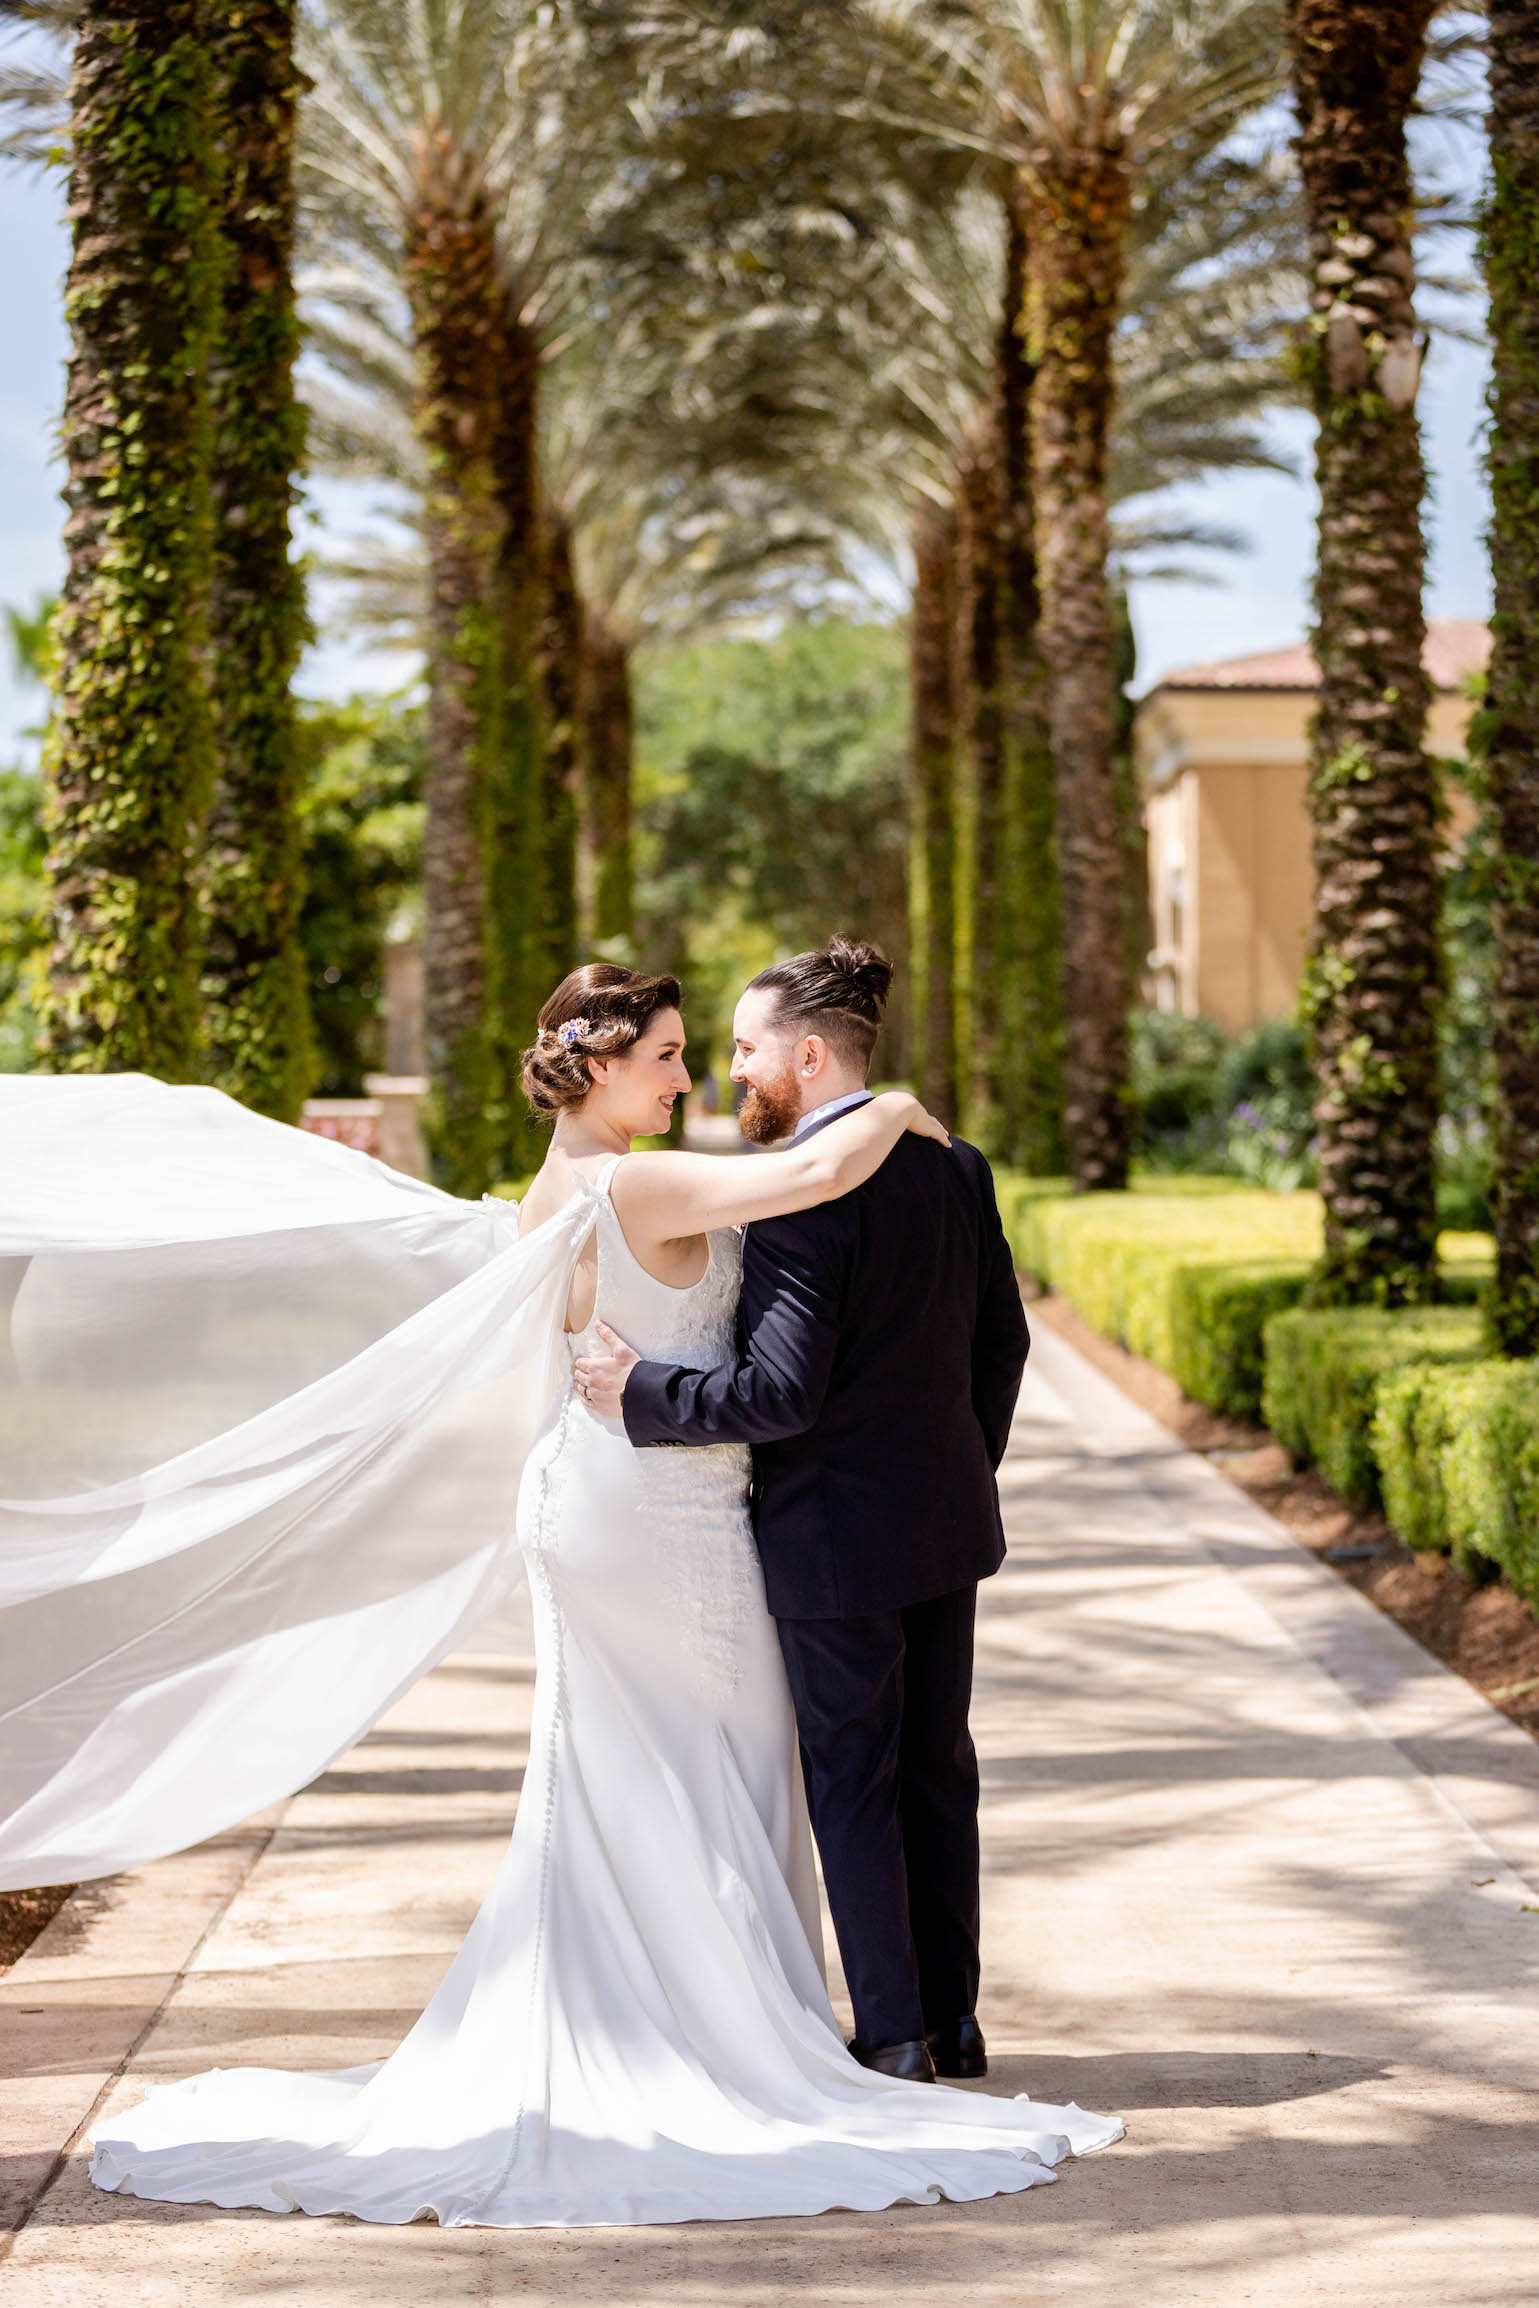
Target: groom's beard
{"type": "Point", "coordinates": [773, 1111]}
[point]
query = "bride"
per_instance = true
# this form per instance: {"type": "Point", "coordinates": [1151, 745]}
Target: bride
{"type": "Point", "coordinates": [267, 1398]}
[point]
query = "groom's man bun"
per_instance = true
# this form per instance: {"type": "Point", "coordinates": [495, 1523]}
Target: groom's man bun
{"type": "Point", "coordinates": [839, 993]}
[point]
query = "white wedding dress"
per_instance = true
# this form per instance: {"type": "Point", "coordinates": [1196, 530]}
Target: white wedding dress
{"type": "Point", "coordinates": [636, 2028]}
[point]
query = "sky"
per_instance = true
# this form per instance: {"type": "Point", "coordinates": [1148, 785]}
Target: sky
{"type": "Point", "coordinates": [1244, 602]}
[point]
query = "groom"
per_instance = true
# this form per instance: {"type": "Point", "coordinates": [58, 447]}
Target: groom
{"type": "Point", "coordinates": [880, 1347]}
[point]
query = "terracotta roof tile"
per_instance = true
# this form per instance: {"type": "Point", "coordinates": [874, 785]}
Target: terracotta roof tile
{"type": "Point", "coordinates": [1456, 646]}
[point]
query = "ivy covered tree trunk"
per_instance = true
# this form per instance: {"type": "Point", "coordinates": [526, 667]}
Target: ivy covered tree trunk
{"type": "Point", "coordinates": [1027, 1061]}
{"type": "Point", "coordinates": [932, 814]}
{"type": "Point", "coordinates": [980, 721]}
{"type": "Point", "coordinates": [451, 270]}
{"type": "Point", "coordinates": [608, 742]}
{"type": "Point", "coordinates": [130, 755]}
{"type": "Point", "coordinates": [561, 665]}
{"type": "Point", "coordinates": [1076, 219]}
{"type": "Point", "coordinates": [1371, 987]}
{"type": "Point", "coordinates": [518, 926]}
{"type": "Point", "coordinates": [1137, 920]}
{"type": "Point", "coordinates": [254, 981]}
{"type": "Point", "coordinates": [1510, 725]}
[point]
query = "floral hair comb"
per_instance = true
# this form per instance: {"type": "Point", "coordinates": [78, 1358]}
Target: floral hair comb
{"type": "Point", "coordinates": [572, 1032]}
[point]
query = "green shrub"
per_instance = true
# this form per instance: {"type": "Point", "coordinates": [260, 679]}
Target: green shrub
{"type": "Point", "coordinates": [1145, 1268]}
{"type": "Point", "coordinates": [1271, 1061]}
{"type": "Point", "coordinates": [1217, 1318]}
{"type": "Point", "coordinates": [1016, 1193]}
{"type": "Point", "coordinates": [1187, 1271]}
{"type": "Point", "coordinates": [1323, 1370]}
{"type": "Point", "coordinates": [1408, 1438]}
{"type": "Point", "coordinates": [1269, 1101]}
{"type": "Point", "coordinates": [1176, 1067]}
{"type": "Point", "coordinates": [1459, 1454]}
{"type": "Point", "coordinates": [1208, 1102]}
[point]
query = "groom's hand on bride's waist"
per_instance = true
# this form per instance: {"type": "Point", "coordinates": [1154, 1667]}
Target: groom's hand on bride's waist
{"type": "Point", "coordinates": [600, 1378]}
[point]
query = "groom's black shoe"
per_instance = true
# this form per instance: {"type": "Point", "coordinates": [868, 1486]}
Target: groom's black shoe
{"type": "Point", "coordinates": [959, 2050]}
{"type": "Point", "coordinates": [910, 2061]}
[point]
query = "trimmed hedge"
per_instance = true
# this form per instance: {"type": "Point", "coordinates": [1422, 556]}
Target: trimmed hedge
{"type": "Point", "coordinates": [1218, 1319]}
{"type": "Point", "coordinates": [1188, 1271]}
{"type": "Point", "coordinates": [1203, 1277]}
{"type": "Point", "coordinates": [1324, 1369]}
{"type": "Point", "coordinates": [1183, 1273]}
{"type": "Point", "coordinates": [1459, 1453]}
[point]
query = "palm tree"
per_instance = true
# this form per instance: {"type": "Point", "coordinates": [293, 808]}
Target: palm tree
{"type": "Point", "coordinates": [255, 1025]}
{"type": "Point", "coordinates": [609, 735]}
{"type": "Point", "coordinates": [1511, 723]}
{"type": "Point", "coordinates": [655, 533]}
{"type": "Point", "coordinates": [449, 172]}
{"type": "Point", "coordinates": [130, 759]}
{"type": "Point", "coordinates": [1018, 985]}
{"type": "Point", "coordinates": [1212, 270]}
{"type": "Point", "coordinates": [692, 396]}
{"type": "Point", "coordinates": [561, 660]}
{"type": "Point", "coordinates": [253, 970]}
{"type": "Point", "coordinates": [658, 563]}
{"type": "Point", "coordinates": [980, 729]}
{"type": "Point", "coordinates": [1372, 980]}
{"type": "Point", "coordinates": [1085, 102]}
{"type": "Point", "coordinates": [933, 819]}
{"type": "Point", "coordinates": [451, 264]}
{"type": "Point", "coordinates": [1210, 276]}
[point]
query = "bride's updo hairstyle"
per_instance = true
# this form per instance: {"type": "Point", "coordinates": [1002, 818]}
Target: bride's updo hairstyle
{"type": "Point", "coordinates": [597, 1012]}
{"type": "Point", "coordinates": [839, 993]}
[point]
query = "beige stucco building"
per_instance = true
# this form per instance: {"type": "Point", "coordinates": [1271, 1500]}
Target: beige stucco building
{"type": "Point", "coordinates": [1222, 750]}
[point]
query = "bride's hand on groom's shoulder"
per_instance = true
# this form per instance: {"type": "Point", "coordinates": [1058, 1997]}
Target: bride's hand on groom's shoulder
{"type": "Point", "coordinates": [600, 1378]}
{"type": "Point", "coordinates": [920, 1120]}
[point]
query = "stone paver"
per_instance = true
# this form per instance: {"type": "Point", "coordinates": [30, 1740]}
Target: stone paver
{"type": "Point", "coordinates": [1259, 1875]}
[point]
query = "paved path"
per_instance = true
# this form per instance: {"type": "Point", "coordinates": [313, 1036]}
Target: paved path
{"type": "Point", "coordinates": [1258, 1874]}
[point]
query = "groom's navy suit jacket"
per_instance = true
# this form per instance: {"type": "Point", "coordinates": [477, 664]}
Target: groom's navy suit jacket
{"type": "Point", "coordinates": [880, 1345]}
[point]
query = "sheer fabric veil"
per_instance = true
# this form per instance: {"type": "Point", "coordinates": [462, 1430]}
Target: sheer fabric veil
{"type": "Point", "coordinates": [263, 1409]}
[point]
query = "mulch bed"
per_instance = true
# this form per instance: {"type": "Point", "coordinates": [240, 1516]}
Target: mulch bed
{"type": "Point", "coordinates": [1484, 1632]}
{"type": "Point", "coordinates": [23, 1915]}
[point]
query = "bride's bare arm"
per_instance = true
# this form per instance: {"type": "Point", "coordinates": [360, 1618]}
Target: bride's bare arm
{"type": "Point", "coordinates": [670, 1196]}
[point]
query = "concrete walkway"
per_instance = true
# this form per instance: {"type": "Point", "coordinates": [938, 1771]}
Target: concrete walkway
{"type": "Point", "coordinates": [1259, 1875]}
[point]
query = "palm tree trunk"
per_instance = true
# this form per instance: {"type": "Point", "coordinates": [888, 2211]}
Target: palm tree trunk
{"type": "Point", "coordinates": [606, 815]}
{"type": "Point", "coordinates": [254, 984]}
{"type": "Point", "coordinates": [980, 718]}
{"type": "Point", "coordinates": [561, 666]}
{"type": "Point", "coordinates": [1076, 219]}
{"type": "Point", "coordinates": [451, 264]}
{"type": "Point", "coordinates": [1137, 921]}
{"type": "Point", "coordinates": [1371, 988]}
{"type": "Point", "coordinates": [130, 758]}
{"type": "Point", "coordinates": [517, 862]}
{"type": "Point", "coordinates": [932, 813]}
{"type": "Point", "coordinates": [1511, 721]}
{"type": "Point", "coordinates": [1028, 965]}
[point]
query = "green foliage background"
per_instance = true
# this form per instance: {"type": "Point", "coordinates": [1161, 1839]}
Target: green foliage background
{"type": "Point", "coordinates": [21, 904]}
{"type": "Point", "coordinates": [361, 813]}
{"type": "Point", "coordinates": [361, 816]}
{"type": "Point", "coordinates": [771, 812]}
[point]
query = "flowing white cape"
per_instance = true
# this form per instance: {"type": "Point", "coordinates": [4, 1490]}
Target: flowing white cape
{"type": "Point", "coordinates": [264, 1405]}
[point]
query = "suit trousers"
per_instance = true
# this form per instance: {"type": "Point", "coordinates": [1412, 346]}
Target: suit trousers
{"type": "Point", "coordinates": [892, 1787]}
